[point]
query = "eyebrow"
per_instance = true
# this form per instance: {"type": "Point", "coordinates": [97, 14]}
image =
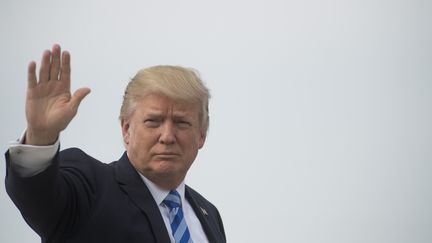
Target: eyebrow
{"type": "Point", "coordinates": [176, 115]}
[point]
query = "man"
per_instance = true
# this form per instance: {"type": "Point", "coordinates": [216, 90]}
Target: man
{"type": "Point", "coordinates": [69, 196]}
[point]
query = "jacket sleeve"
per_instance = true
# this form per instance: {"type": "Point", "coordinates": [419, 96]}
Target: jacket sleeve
{"type": "Point", "coordinates": [55, 201]}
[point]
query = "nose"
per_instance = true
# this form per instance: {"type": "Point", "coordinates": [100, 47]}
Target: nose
{"type": "Point", "coordinates": [167, 135]}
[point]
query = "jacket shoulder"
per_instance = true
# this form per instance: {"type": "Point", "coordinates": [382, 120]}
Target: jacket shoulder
{"type": "Point", "coordinates": [76, 157]}
{"type": "Point", "coordinates": [75, 154]}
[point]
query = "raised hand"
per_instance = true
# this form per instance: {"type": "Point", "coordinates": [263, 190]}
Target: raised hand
{"type": "Point", "coordinates": [49, 103]}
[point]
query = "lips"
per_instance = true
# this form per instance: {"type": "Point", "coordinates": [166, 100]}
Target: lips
{"type": "Point", "coordinates": [166, 156]}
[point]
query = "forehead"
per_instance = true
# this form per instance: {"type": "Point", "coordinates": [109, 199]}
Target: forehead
{"type": "Point", "coordinates": [160, 104]}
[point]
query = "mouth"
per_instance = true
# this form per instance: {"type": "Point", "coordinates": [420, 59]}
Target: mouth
{"type": "Point", "coordinates": [166, 155]}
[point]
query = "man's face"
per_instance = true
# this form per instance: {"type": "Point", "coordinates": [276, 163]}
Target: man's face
{"type": "Point", "coordinates": [162, 138]}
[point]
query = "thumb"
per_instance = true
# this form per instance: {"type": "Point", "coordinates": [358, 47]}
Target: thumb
{"type": "Point", "coordinates": [78, 96]}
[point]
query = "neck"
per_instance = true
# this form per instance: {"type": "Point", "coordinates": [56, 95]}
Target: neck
{"type": "Point", "coordinates": [166, 182]}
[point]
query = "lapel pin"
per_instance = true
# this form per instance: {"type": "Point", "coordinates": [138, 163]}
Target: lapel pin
{"type": "Point", "coordinates": [204, 211]}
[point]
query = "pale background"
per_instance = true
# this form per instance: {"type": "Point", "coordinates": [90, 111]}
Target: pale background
{"type": "Point", "coordinates": [321, 111]}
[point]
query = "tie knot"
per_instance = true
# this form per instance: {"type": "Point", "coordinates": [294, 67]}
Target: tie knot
{"type": "Point", "coordinates": [173, 200]}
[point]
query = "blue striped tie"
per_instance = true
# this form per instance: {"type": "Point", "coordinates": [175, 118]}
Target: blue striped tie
{"type": "Point", "coordinates": [179, 227]}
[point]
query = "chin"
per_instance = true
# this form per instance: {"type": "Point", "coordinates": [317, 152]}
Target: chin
{"type": "Point", "coordinates": [167, 168]}
{"type": "Point", "coordinates": [166, 174]}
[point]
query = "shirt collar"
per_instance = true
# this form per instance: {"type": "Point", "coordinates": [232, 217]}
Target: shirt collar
{"type": "Point", "coordinates": [160, 194]}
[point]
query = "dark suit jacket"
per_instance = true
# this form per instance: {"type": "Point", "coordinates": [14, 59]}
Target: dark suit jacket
{"type": "Point", "coordinates": [79, 199]}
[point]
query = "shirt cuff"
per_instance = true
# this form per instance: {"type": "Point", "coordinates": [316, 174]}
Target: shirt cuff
{"type": "Point", "coordinates": [29, 160]}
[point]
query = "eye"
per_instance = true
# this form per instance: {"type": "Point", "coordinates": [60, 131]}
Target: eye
{"type": "Point", "coordinates": [152, 122]}
{"type": "Point", "coordinates": [182, 124]}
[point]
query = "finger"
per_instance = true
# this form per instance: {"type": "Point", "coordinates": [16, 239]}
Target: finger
{"type": "Point", "coordinates": [78, 96]}
{"type": "Point", "coordinates": [65, 71]}
{"type": "Point", "coordinates": [45, 66]}
{"type": "Point", "coordinates": [55, 62]}
{"type": "Point", "coordinates": [31, 75]}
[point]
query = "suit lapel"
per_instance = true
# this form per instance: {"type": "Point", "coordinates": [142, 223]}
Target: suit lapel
{"type": "Point", "coordinates": [133, 185]}
{"type": "Point", "coordinates": [203, 215]}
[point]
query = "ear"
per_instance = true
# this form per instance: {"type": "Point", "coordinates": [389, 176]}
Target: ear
{"type": "Point", "coordinates": [203, 133]}
{"type": "Point", "coordinates": [202, 139]}
{"type": "Point", "coordinates": [125, 131]}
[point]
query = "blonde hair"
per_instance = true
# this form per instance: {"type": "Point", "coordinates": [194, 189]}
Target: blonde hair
{"type": "Point", "coordinates": [175, 82]}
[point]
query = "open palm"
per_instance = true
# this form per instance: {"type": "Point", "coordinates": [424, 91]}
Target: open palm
{"type": "Point", "coordinates": [49, 103]}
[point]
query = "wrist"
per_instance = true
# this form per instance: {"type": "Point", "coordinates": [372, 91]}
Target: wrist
{"type": "Point", "coordinates": [39, 138]}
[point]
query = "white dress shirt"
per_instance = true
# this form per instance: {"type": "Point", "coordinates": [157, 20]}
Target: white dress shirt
{"type": "Point", "coordinates": [195, 229]}
{"type": "Point", "coordinates": [28, 160]}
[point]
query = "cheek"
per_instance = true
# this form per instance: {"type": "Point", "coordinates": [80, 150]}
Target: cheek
{"type": "Point", "coordinates": [134, 142]}
{"type": "Point", "coordinates": [192, 144]}
{"type": "Point", "coordinates": [142, 141]}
